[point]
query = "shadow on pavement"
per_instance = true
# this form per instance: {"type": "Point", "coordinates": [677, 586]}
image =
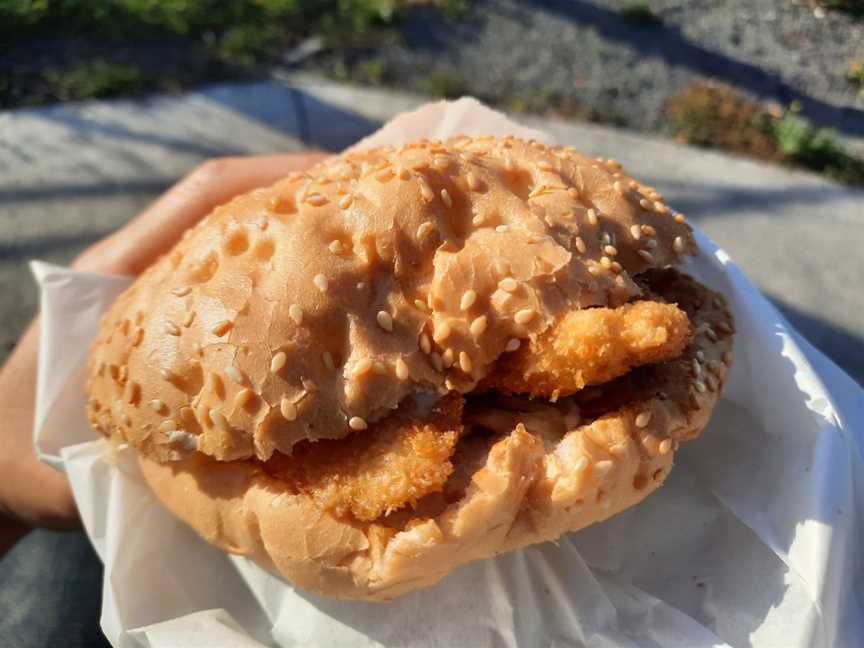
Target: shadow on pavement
{"type": "Point", "coordinates": [669, 44]}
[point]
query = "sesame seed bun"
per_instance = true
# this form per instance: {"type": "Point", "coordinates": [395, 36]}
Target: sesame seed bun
{"type": "Point", "coordinates": [312, 309]}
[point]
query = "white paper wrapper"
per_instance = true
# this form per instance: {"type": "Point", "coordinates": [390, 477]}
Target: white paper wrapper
{"type": "Point", "coordinates": [754, 540]}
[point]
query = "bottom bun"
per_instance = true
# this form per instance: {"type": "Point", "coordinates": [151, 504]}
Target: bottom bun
{"type": "Point", "coordinates": [514, 484]}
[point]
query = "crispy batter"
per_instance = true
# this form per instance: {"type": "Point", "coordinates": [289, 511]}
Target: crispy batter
{"type": "Point", "coordinates": [593, 346]}
{"type": "Point", "coordinates": [372, 472]}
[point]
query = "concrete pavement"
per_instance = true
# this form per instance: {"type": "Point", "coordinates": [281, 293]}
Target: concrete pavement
{"type": "Point", "coordinates": [71, 173]}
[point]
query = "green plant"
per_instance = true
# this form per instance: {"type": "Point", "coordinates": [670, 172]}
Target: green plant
{"type": "Point", "coordinates": [373, 70]}
{"type": "Point", "coordinates": [712, 114]}
{"type": "Point", "coordinates": [855, 75]}
{"type": "Point", "coordinates": [93, 79]}
{"type": "Point", "coordinates": [815, 148]}
{"type": "Point", "coordinates": [639, 13]}
{"type": "Point", "coordinates": [443, 83]}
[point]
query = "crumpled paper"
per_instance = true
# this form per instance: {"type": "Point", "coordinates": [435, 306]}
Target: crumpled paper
{"type": "Point", "coordinates": [754, 540]}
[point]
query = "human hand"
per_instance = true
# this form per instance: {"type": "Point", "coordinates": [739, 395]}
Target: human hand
{"type": "Point", "coordinates": [32, 493]}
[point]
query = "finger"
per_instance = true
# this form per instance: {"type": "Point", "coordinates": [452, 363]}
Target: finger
{"type": "Point", "coordinates": [150, 234]}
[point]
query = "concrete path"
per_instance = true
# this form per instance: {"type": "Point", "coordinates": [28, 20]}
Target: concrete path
{"type": "Point", "coordinates": [69, 174]}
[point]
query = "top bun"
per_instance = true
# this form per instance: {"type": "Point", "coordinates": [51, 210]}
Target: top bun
{"type": "Point", "coordinates": [311, 308]}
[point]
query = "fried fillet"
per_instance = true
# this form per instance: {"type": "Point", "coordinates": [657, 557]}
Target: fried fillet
{"type": "Point", "coordinates": [372, 472]}
{"type": "Point", "coordinates": [593, 346]}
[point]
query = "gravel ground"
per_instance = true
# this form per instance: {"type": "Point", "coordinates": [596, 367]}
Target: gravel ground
{"type": "Point", "coordinates": [584, 53]}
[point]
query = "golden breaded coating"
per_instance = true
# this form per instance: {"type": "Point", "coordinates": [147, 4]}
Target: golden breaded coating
{"type": "Point", "coordinates": [592, 346]}
{"type": "Point", "coordinates": [372, 472]}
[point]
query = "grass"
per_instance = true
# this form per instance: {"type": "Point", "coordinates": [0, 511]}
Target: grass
{"type": "Point", "coordinates": [80, 49]}
{"type": "Point", "coordinates": [446, 84]}
{"type": "Point", "coordinates": [855, 76]}
{"type": "Point", "coordinates": [639, 13]}
{"type": "Point", "coordinates": [717, 115]}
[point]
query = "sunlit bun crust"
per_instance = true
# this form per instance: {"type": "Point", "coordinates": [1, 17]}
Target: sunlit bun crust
{"type": "Point", "coordinates": [310, 309]}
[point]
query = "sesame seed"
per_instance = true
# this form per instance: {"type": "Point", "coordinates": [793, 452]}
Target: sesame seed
{"type": "Point", "coordinates": [316, 199]}
{"type": "Point", "coordinates": [592, 217]}
{"type": "Point", "coordinates": [157, 405]}
{"type": "Point", "coordinates": [580, 245]}
{"type": "Point", "coordinates": [617, 186]}
{"type": "Point", "coordinates": [288, 409]}
{"type": "Point", "coordinates": [321, 282]}
{"type": "Point", "coordinates": [659, 207]}
{"type": "Point", "coordinates": [478, 220]}
{"type": "Point", "coordinates": [296, 314]}
{"type": "Point", "coordinates": [402, 370]}
{"type": "Point", "coordinates": [723, 326]}
{"type": "Point", "coordinates": [606, 262]}
{"type": "Point", "coordinates": [181, 291]}
{"type": "Point", "coordinates": [646, 204]}
{"type": "Point", "coordinates": [171, 328]}
{"type": "Point", "coordinates": [336, 247]}
{"type": "Point", "coordinates": [445, 196]}
{"type": "Point", "coordinates": [536, 191]}
{"type": "Point", "coordinates": [468, 299]}
{"type": "Point", "coordinates": [426, 191]}
{"type": "Point", "coordinates": [385, 320]}
{"type": "Point", "coordinates": [619, 450]}
{"type": "Point", "coordinates": [512, 345]}
{"type": "Point", "coordinates": [221, 328]}
{"type": "Point", "coordinates": [679, 218]}
{"type": "Point", "coordinates": [645, 254]}
{"type": "Point", "coordinates": [617, 267]}
{"type": "Point", "coordinates": [593, 270]}
{"type": "Point", "coordinates": [509, 284]}
{"type": "Point", "coordinates": [448, 358]}
{"type": "Point", "coordinates": [363, 366]}
{"type": "Point", "coordinates": [581, 464]}
{"type": "Point", "coordinates": [277, 362]}
{"type": "Point", "coordinates": [357, 423]}
{"type": "Point", "coordinates": [442, 332]}
{"type": "Point", "coordinates": [384, 175]}
{"type": "Point", "coordinates": [346, 200]}
{"type": "Point", "coordinates": [425, 343]}
{"type": "Point", "coordinates": [611, 250]}
{"type": "Point", "coordinates": [478, 326]}
{"type": "Point", "coordinates": [437, 361]}
{"type": "Point", "coordinates": [697, 368]}
{"type": "Point", "coordinates": [602, 467]}
{"type": "Point", "coordinates": [678, 245]}
{"type": "Point", "coordinates": [425, 229]}
{"type": "Point", "coordinates": [710, 334]}
{"type": "Point", "coordinates": [219, 419]}
{"type": "Point", "coordinates": [473, 182]}
{"type": "Point", "coordinates": [242, 397]}
{"type": "Point", "coordinates": [643, 419]}
{"type": "Point", "coordinates": [327, 359]}
{"type": "Point", "coordinates": [502, 229]}
{"type": "Point", "coordinates": [633, 185]}
{"type": "Point", "coordinates": [651, 244]}
{"type": "Point", "coordinates": [647, 230]}
{"type": "Point", "coordinates": [635, 232]}
{"type": "Point", "coordinates": [700, 386]}
{"type": "Point", "coordinates": [168, 425]}
{"type": "Point", "coordinates": [465, 363]}
{"type": "Point", "coordinates": [665, 446]}
{"type": "Point", "coordinates": [234, 374]}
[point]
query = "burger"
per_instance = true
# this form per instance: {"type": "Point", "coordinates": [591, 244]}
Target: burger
{"type": "Point", "coordinates": [413, 357]}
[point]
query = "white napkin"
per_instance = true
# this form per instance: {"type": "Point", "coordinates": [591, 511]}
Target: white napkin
{"type": "Point", "coordinates": [754, 540]}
